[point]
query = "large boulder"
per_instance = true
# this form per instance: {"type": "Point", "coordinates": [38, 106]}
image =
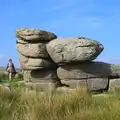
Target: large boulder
{"type": "Point", "coordinates": [28, 63]}
{"type": "Point", "coordinates": [34, 35]}
{"type": "Point", "coordinates": [88, 70]}
{"type": "Point", "coordinates": [36, 50]}
{"type": "Point", "coordinates": [70, 50]}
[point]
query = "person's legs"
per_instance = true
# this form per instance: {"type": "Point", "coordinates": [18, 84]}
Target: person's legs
{"type": "Point", "coordinates": [10, 73]}
{"type": "Point", "coordinates": [10, 76]}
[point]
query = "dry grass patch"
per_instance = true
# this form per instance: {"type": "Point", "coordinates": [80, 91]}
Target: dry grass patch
{"type": "Point", "coordinates": [24, 104]}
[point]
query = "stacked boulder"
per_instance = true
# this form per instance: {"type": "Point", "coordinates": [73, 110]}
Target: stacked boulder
{"type": "Point", "coordinates": [39, 69]}
{"type": "Point", "coordinates": [75, 56]}
{"type": "Point", "coordinates": [48, 61]}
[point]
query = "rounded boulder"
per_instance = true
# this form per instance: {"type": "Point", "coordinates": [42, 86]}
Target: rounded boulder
{"type": "Point", "coordinates": [71, 50]}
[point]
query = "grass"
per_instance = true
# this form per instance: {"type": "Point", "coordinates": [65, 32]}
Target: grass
{"type": "Point", "coordinates": [4, 77]}
{"type": "Point", "coordinates": [24, 104]}
{"type": "Point", "coordinates": [14, 83]}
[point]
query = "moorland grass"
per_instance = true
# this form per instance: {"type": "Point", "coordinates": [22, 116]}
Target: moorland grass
{"type": "Point", "coordinates": [24, 104]}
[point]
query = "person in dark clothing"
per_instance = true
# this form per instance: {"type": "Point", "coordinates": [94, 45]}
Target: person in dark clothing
{"type": "Point", "coordinates": [10, 69]}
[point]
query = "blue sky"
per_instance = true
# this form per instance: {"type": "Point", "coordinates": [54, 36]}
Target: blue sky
{"type": "Point", "coordinates": [95, 19]}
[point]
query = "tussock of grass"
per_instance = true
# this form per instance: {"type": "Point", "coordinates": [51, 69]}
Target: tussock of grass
{"type": "Point", "coordinates": [24, 104]}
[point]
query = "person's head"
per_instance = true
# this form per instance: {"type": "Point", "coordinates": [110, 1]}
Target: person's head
{"type": "Point", "coordinates": [10, 60]}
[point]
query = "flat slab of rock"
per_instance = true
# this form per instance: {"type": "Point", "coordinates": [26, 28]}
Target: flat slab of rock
{"type": "Point", "coordinates": [28, 63]}
{"type": "Point", "coordinates": [40, 75]}
{"type": "Point", "coordinates": [34, 35]}
{"type": "Point", "coordinates": [69, 50]}
{"type": "Point", "coordinates": [74, 83]}
{"type": "Point", "coordinates": [98, 84]}
{"type": "Point", "coordinates": [35, 50]}
{"type": "Point", "coordinates": [88, 70]}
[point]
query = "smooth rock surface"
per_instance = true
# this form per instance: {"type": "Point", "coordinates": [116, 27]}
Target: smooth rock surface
{"type": "Point", "coordinates": [34, 35]}
{"type": "Point", "coordinates": [35, 50]}
{"type": "Point", "coordinates": [28, 63]}
{"type": "Point", "coordinates": [70, 50]}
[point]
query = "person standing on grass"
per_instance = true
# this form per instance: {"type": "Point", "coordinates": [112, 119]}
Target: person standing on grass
{"type": "Point", "coordinates": [10, 69]}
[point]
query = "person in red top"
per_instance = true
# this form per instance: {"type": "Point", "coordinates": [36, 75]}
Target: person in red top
{"type": "Point", "coordinates": [10, 69]}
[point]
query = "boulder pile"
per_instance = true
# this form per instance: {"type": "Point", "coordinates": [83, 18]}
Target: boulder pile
{"type": "Point", "coordinates": [39, 69]}
{"type": "Point", "coordinates": [49, 61]}
{"type": "Point", "coordinates": [74, 56]}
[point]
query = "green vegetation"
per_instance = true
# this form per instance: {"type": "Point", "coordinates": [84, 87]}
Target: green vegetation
{"type": "Point", "coordinates": [24, 104]}
{"type": "Point", "coordinates": [17, 82]}
{"type": "Point", "coordinates": [4, 77]}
